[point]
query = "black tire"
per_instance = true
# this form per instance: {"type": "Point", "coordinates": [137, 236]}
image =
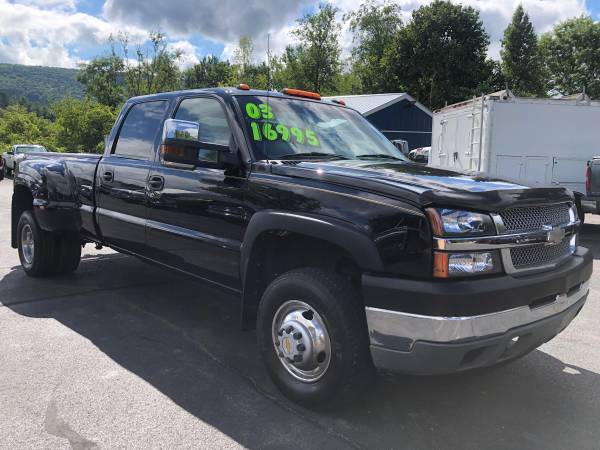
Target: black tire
{"type": "Point", "coordinates": [68, 254]}
{"type": "Point", "coordinates": [1, 174]}
{"type": "Point", "coordinates": [43, 259]}
{"type": "Point", "coordinates": [8, 172]}
{"type": "Point", "coordinates": [330, 296]}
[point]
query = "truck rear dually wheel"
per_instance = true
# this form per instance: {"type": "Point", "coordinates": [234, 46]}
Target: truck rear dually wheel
{"type": "Point", "coordinates": [68, 254]}
{"type": "Point", "coordinates": [312, 337]}
{"type": "Point", "coordinates": [43, 253]}
{"type": "Point", "coordinates": [37, 248]}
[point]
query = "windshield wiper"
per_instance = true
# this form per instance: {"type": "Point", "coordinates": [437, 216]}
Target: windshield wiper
{"type": "Point", "coordinates": [378, 155]}
{"type": "Point", "coordinates": [311, 155]}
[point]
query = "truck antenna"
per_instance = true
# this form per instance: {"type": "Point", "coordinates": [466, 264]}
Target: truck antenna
{"type": "Point", "coordinates": [268, 61]}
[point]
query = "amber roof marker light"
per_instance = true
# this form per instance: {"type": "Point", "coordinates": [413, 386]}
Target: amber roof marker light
{"type": "Point", "coordinates": [301, 93]}
{"type": "Point", "coordinates": [243, 87]}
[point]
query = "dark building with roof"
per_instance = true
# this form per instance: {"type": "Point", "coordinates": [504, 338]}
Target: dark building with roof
{"type": "Point", "coordinates": [397, 116]}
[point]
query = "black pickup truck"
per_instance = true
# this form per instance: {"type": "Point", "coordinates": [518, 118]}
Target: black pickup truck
{"type": "Point", "coordinates": [346, 256]}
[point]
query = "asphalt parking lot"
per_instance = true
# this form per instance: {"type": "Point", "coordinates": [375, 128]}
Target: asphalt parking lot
{"type": "Point", "coordinates": [123, 354]}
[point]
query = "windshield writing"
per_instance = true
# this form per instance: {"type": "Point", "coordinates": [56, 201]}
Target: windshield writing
{"type": "Point", "coordinates": [284, 128]}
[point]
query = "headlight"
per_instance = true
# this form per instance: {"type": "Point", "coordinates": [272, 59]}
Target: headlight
{"type": "Point", "coordinates": [454, 222]}
{"type": "Point", "coordinates": [573, 244]}
{"type": "Point", "coordinates": [449, 265]}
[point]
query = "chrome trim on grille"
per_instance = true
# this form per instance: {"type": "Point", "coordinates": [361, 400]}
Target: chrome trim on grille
{"type": "Point", "coordinates": [386, 327]}
{"type": "Point", "coordinates": [500, 241]}
{"type": "Point", "coordinates": [500, 227]}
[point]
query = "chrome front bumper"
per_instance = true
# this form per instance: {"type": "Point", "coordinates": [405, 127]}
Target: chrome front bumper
{"type": "Point", "coordinates": [415, 343]}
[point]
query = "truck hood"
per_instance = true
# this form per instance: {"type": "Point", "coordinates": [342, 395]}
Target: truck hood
{"type": "Point", "coordinates": [424, 185]}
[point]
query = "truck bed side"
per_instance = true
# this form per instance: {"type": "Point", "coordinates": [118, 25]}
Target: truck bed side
{"type": "Point", "coordinates": [59, 188]}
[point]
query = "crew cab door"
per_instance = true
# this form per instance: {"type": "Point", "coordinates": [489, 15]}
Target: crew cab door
{"type": "Point", "coordinates": [196, 216]}
{"type": "Point", "coordinates": [122, 177]}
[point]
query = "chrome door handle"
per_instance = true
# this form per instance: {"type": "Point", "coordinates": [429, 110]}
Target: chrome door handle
{"type": "Point", "coordinates": [156, 183]}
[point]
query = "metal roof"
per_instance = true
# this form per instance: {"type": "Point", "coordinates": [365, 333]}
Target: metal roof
{"type": "Point", "coordinates": [369, 103]}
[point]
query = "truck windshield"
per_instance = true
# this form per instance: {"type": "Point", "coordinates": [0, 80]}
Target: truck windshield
{"type": "Point", "coordinates": [29, 149]}
{"type": "Point", "coordinates": [284, 128]}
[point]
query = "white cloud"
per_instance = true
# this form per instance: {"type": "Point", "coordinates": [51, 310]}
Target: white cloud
{"type": "Point", "coordinates": [189, 51]}
{"type": "Point", "coordinates": [66, 5]}
{"type": "Point", "coordinates": [276, 42]}
{"type": "Point", "coordinates": [495, 14]}
{"type": "Point", "coordinates": [544, 14]}
{"type": "Point", "coordinates": [52, 32]}
{"type": "Point", "coordinates": [35, 36]}
{"type": "Point", "coordinates": [219, 20]}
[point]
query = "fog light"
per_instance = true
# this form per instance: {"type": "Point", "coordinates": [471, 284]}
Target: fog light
{"type": "Point", "coordinates": [457, 264]}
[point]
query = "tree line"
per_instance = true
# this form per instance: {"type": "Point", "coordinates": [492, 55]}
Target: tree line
{"type": "Point", "coordinates": [439, 56]}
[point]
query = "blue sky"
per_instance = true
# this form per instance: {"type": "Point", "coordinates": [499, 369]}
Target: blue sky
{"type": "Point", "coordinates": [594, 8]}
{"type": "Point", "coordinates": [67, 32]}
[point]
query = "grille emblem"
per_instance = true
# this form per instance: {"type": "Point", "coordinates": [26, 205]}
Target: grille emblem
{"type": "Point", "coordinates": [555, 235]}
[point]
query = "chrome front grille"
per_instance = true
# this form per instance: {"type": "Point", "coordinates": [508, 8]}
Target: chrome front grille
{"type": "Point", "coordinates": [535, 217]}
{"type": "Point", "coordinates": [539, 255]}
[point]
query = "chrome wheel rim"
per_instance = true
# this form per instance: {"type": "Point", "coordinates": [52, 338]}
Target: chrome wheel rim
{"type": "Point", "coordinates": [301, 341]}
{"type": "Point", "coordinates": [27, 244]}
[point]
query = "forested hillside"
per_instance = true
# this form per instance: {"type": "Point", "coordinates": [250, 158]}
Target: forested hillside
{"type": "Point", "coordinates": [38, 85]}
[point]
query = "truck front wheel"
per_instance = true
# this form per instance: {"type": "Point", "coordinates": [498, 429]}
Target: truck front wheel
{"type": "Point", "coordinates": [311, 332]}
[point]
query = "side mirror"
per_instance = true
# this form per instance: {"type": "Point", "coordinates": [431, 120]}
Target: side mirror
{"type": "Point", "coordinates": [181, 148]}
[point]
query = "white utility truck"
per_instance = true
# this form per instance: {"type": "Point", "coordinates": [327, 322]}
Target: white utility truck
{"type": "Point", "coordinates": [535, 141]}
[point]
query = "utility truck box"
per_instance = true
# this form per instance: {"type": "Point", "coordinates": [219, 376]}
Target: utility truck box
{"type": "Point", "coordinates": [534, 141]}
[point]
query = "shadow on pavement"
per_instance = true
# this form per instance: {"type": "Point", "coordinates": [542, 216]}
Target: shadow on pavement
{"type": "Point", "coordinates": [183, 338]}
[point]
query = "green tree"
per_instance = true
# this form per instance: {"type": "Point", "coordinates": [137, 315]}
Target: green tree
{"type": "Point", "coordinates": [285, 68]}
{"type": "Point", "coordinates": [82, 124]}
{"type": "Point", "coordinates": [20, 126]}
{"type": "Point", "coordinates": [521, 64]}
{"type": "Point", "coordinates": [314, 64]}
{"type": "Point", "coordinates": [244, 70]}
{"type": "Point", "coordinates": [256, 75]}
{"type": "Point", "coordinates": [571, 55]}
{"type": "Point", "coordinates": [154, 71]}
{"type": "Point", "coordinates": [102, 78]}
{"type": "Point", "coordinates": [348, 83]}
{"type": "Point", "coordinates": [242, 55]}
{"type": "Point", "coordinates": [494, 79]}
{"type": "Point", "coordinates": [375, 27]}
{"type": "Point", "coordinates": [439, 56]}
{"type": "Point", "coordinates": [4, 100]}
{"type": "Point", "coordinates": [209, 72]}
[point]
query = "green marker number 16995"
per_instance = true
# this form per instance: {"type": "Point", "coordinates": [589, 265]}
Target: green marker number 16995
{"type": "Point", "coordinates": [273, 132]}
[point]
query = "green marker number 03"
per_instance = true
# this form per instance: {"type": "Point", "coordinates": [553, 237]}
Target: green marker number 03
{"type": "Point", "coordinates": [272, 132]}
